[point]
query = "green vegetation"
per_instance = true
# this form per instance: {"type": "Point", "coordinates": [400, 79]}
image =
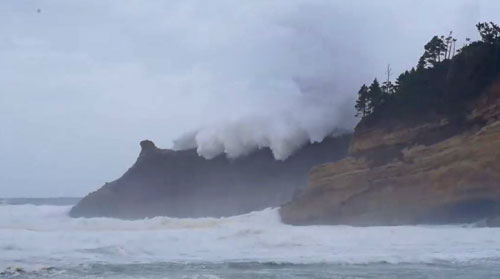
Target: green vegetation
{"type": "Point", "coordinates": [443, 81]}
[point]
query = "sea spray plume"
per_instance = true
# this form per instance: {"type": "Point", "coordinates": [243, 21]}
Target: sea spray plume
{"type": "Point", "coordinates": [241, 137]}
{"type": "Point", "coordinates": [309, 118]}
{"type": "Point", "coordinates": [292, 88]}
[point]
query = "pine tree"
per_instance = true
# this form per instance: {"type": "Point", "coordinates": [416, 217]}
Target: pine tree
{"type": "Point", "coordinates": [490, 32]}
{"type": "Point", "coordinates": [376, 96]}
{"type": "Point", "coordinates": [434, 49]}
{"type": "Point", "coordinates": [436, 86]}
{"type": "Point", "coordinates": [362, 102]}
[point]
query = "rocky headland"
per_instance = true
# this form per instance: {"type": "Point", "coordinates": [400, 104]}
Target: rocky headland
{"type": "Point", "coordinates": [426, 151]}
{"type": "Point", "coordinates": [398, 173]}
{"type": "Point", "coordinates": [427, 148]}
{"type": "Point", "coordinates": [182, 184]}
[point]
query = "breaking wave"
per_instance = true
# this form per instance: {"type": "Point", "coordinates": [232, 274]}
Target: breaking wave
{"type": "Point", "coordinates": [45, 235]}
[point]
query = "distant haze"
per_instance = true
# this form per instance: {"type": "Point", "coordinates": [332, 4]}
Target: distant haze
{"type": "Point", "coordinates": [82, 82]}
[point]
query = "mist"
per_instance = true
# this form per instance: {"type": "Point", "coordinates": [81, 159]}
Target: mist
{"type": "Point", "coordinates": [83, 83]}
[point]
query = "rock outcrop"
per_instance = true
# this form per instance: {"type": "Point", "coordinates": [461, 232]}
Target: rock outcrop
{"type": "Point", "coordinates": [183, 184]}
{"type": "Point", "coordinates": [432, 171]}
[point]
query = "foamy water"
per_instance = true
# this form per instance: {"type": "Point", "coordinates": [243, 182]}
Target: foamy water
{"type": "Point", "coordinates": [43, 237]}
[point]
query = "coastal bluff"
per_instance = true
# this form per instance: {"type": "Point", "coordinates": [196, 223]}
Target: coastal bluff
{"type": "Point", "coordinates": [426, 170]}
{"type": "Point", "coordinates": [182, 184]}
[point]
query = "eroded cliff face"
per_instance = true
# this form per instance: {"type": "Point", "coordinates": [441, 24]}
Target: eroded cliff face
{"type": "Point", "coordinates": [434, 171]}
{"type": "Point", "coordinates": [182, 184]}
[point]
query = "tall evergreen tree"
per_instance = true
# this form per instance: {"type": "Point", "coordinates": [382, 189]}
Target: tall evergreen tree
{"type": "Point", "coordinates": [362, 102]}
{"type": "Point", "coordinates": [376, 96]}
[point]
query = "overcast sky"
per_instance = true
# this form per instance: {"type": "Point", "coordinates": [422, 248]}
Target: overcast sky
{"type": "Point", "coordinates": [82, 82]}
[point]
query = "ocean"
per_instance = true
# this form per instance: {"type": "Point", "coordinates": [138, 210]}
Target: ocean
{"type": "Point", "coordinates": [39, 240]}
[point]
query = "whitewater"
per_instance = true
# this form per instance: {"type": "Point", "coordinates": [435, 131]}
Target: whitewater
{"type": "Point", "coordinates": [38, 241]}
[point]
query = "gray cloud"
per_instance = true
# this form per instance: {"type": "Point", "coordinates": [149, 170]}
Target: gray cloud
{"type": "Point", "coordinates": [81, 83]}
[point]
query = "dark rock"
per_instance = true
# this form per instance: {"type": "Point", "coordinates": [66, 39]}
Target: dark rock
{"type": "Point", "coordinates": [183, 184]}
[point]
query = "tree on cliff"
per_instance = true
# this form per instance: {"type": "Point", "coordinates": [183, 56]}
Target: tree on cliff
{"type": "Point", "coordinates": [489, 32]}
{"type": "Point", "coordinates": [376, 96]}
{"type": "Point", "coordinates": [434, 49]}
{"type": "Point", "coordinates": [444, 81]}
{"type": "Point", "coordinates": [387, 86]}
{"type": "Point", "coordinates": [362, 102]}
{"type": "Point", "coordinates": [450, 46]}
{"type": "Point", "coordinates": [370, 98]}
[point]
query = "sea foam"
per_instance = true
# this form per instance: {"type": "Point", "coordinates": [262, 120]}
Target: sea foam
{"type": "Point", "coordinates": [46, 236]}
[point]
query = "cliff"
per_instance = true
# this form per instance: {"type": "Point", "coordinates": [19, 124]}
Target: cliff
{"type": "Point", "coordinates": [183, 184]}
{"type": "Point", "coordinates": [427, 170]}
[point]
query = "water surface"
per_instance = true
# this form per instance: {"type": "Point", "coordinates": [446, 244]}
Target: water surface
{"type": "Point", "coordinates": [41, 241]}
